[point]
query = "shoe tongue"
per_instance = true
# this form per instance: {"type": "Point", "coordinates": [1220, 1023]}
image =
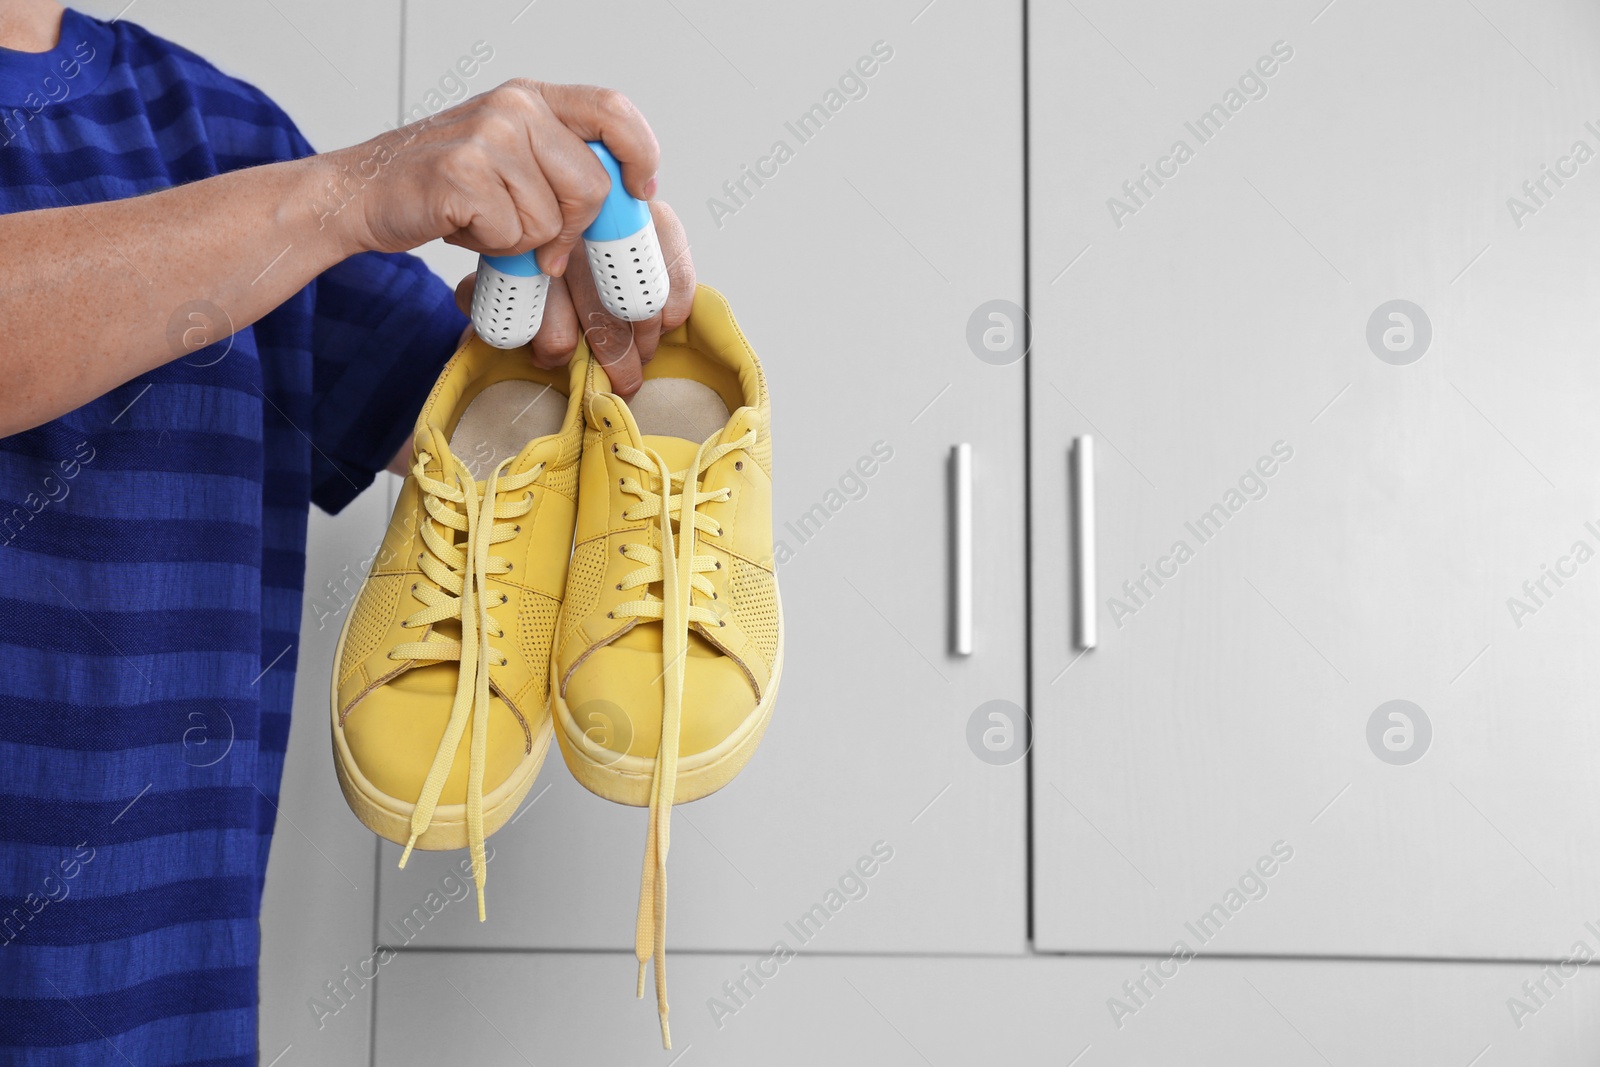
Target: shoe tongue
{"type": "Point", "coordinates": [679, 452]}
{"type": "Point", "coordinates": [540, 449]}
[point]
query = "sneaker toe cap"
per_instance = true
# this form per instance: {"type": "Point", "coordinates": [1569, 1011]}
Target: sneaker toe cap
{"type": "Point", "coordinates": [394, 731]}
{"type": "Point", "coordinates": [615, 696]}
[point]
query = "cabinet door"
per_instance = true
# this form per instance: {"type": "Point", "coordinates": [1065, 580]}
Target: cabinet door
{"type": "Point", "coordinates": [1339, 366]}
{"type": "Point", "coordinates": [853, 267]}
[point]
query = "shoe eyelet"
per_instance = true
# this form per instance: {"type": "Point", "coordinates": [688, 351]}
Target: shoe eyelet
{"type": "Point", "coordinates": [607, 422]}
{"type": "Point", "coordinates": [738, 465]}
{"type": "Point", "coordinates": [516, 528]}
{"type": "Point", "coordinates": [619, 587]}
{"type": "Point", "coordinates": [510, 567]}
{"type": "Point", "coordinates": [613, 448]}
{"type": "Point", "coordinates": [413, 587]}
{"type": "Point", "coordinates": [503, 661]}
{"type": "Point", "coordinates": [622, 481]}
{"type": "Point", "coordinates": [713, 596]}
{"type": "Point", "coordinates": [719, 565]}
{"type": "Point", "coordinates": [622, 549]}
{"type": "Point", "coordinates": [504, 599]}
{"type": "Point", "coordinates": [720, 624]}
{"type": "Point", "coordinates": [611, 614]}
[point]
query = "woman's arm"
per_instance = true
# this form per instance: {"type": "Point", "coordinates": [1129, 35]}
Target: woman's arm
{"type": "Point", "coordinates": [93, 296]}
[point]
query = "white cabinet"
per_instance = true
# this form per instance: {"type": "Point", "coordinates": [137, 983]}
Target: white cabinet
{"type": "Point", "coordinates": [853, 268]}
{"type": "Point", "coordinates": [515, 1008]}
{"type": "Point", "coordinates": [1313, 501]}
{"type": "Point", "coordinates": [1372, 508]}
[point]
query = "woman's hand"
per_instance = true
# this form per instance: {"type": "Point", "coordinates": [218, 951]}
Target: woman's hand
{"type": "Point", "coordinates": [572, 307]}
{"type": "Point", "coordinates": [509, 172]}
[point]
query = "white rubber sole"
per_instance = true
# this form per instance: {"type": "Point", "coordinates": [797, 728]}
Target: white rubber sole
{"type": "Point", "coordinates": [626, 779]}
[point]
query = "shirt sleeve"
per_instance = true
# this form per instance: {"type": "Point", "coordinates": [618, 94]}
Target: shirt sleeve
{"type": "Point", "coordinates": [384, 327]}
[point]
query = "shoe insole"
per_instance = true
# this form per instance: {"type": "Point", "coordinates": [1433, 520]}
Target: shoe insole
{"type": "Point", "coordinates": [501, 420]}
{"type": "Point", "coordinates": [678, 407]}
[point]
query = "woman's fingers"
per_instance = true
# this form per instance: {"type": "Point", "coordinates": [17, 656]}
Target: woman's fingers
{"type": "Point", "coordinates": [573, 309]}
{"type": "Point", "coordinates": [610, 340]}
{"type": "Point", "coordinates": [553, 345]}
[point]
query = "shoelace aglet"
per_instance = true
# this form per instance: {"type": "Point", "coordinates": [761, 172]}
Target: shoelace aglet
{"type": "Point", "coordinates": [482, 915]}
{"type": "Point", "coordinates": [677, 571]}
{"type": "Point", "coordinates": [407, 853]}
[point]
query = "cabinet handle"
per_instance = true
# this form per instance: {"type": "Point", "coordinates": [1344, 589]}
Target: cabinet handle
{"type": "Point", "coordinates": [1083, 536]}
{"type": "Point", "coordinates": [961, 491]}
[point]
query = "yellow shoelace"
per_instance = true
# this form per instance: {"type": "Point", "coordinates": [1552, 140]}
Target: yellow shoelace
{"type": "Point", "coordinates": [459, 573]}
{"type": "Point", "coordinates": [671, 495]}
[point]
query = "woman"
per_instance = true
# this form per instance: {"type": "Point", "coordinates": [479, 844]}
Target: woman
{"type": "Point", "coordinates": [195, 350]}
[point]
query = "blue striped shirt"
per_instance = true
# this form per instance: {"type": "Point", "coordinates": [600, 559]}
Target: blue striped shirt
{"type": "Point", "coordinates": [152, 554]}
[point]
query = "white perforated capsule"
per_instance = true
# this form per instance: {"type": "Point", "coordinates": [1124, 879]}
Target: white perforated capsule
{"type": "Point", "coordinates": [624, 254]}
{"type": "Point", "coordinates": [508, 299]}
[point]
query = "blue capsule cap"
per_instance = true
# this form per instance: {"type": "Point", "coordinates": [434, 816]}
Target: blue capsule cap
{"type": "Point", "coordinates": [522, 265]}
{"type": "Point", "coordinates": [621, 215]}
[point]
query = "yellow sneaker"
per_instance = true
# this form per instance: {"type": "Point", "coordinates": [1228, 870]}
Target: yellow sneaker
{"type": "Point", "coordinates": [670, 644]}
{"type": "Point", "coordinates": [453, 626]}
